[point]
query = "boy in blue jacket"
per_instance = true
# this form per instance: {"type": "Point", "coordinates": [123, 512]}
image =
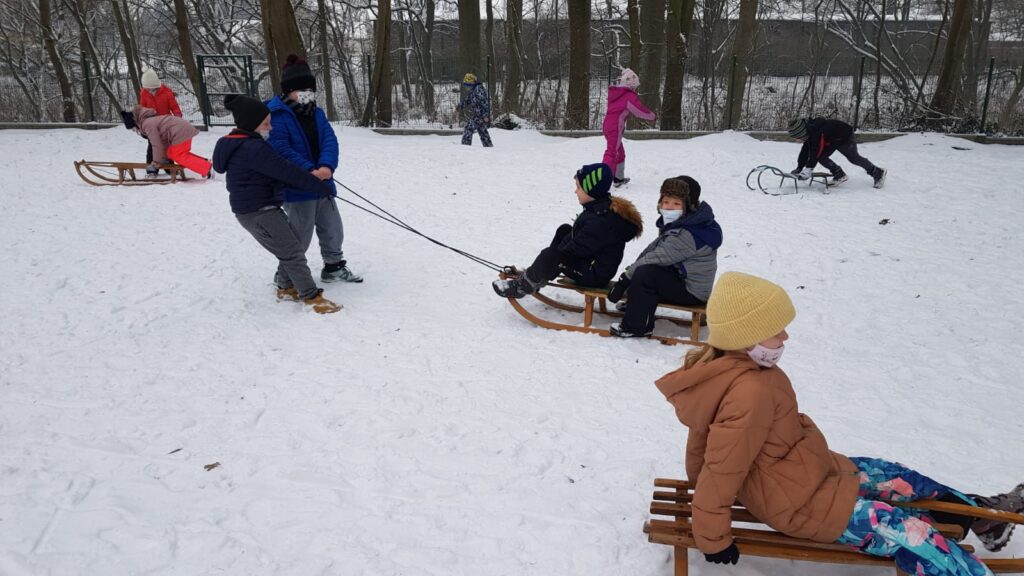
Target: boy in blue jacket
{"type": "Point", "coordinates": [256, 175]}
{"type": "Point", "coordinates": [304, 137]}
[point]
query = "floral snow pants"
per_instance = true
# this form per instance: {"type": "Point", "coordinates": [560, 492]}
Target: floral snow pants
{"type": "Point", "coordinates": [904, 534]}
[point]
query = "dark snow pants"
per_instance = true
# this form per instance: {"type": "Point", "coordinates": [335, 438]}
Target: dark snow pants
{"type": "Point", "coordinates": [650, 285]}
{"type": "Point", "coordinates": [551, 262]}
{"type": "Point", "coordinates": [270, 227]}
{"type": "Point", "coordinates": [848, 149]}
{"type": "Point", "coordinates": [475, 125]}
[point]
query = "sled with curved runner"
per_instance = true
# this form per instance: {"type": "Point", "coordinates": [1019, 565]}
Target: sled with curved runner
{"type": "Point", "coordinates": [126, 173]}
{"type": "Point", "coordinates": [674, 499]}
{"type": "Point", "coordinates": [823, 177]}
{"type": "Point", "coordinates": [596, 301]}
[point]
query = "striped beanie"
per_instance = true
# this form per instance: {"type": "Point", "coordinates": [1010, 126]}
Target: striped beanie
{"type": "Point", "coordinates": [596, 180]}
{"type": "Point", "coordinates": [797, 128]}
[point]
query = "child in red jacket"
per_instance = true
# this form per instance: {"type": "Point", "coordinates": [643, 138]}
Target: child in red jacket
{"type": "Point", "coordinates": [157, 96]}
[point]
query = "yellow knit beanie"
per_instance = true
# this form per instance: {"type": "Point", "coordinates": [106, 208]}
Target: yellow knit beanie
{"type": "Point", "coordinates": [744, 310]}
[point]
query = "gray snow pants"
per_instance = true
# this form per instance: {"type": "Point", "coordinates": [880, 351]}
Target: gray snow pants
{"type": "Point", "coordinates": [271, 229]}
{"type": "Point", "coordinates": [322, 215]}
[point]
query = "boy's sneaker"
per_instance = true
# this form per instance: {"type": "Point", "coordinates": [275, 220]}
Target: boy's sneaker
{"type": "Point", "coordinates": [339, 273]}
{"type": "Point", "coordinates": [290, 294]}
{"type": "Point", "coordinates": [619, 181]}
{"type": "Point", "coordinates": [517, 287]}
{"type": "Point", "coordinates": [617, 331]}
{"type": "Point", "coordinates": [322, 305]}
{"type": "Point", "coordinates": [838, 178]}
{"type": "Point", "coordinates": [879, 176]}
{"type": "Point", "coordinates": [995, 535]}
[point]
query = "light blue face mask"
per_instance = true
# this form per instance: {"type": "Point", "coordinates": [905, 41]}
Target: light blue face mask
{"type": "Point", "coordinates": [670, 216]}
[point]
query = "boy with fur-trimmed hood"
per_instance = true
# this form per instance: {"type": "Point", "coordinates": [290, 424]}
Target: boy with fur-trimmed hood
{"type": "Point", "coordinates": [589, 250]}
{"type": "Point", "coordinates": [678, 267]}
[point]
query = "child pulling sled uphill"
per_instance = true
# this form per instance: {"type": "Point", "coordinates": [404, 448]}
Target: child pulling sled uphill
{"type": "Point", "coordinates": [256, 175]}
{"type": "Point", "coordinates": [748, 442]}
{"type": "Point", "coordinates": [821, 138]}
{"type": "Point", "coordinates": [590, 250]}
{"type": "Point", "coordinates": [678, 267]}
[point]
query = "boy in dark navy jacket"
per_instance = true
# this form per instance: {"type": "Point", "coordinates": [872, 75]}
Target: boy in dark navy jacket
{"type": "Point", "coordinates": [255, 176]}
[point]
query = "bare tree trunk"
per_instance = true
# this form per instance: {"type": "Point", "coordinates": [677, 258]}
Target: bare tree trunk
{"type": "Point", "coordinates": [652, 34]}
{"type": "Point", "coordinates": [878, 64]}
{"type": "Point", "coordinates": [469, 36]}
{"type": "Point", "coordinates": [577, 107]}
{"type": "Point", "coordinates": [977, 50]}
{"type": "Point", "coordinates": [280, 34]}
{"type": "Point", "coordinates": [131, 55]}
{"type": "Point", "coordinates": [67, 96]}
{"type": "Point", "coordinates": [185, 45]}
{"type": "Point", "coordinates": [743, 47]}
{"type": "Point", "coordinates": [89, 50]}
{"type": "Point", "coordinates": [635, 43]}
{"type": "Point", "coordinates": [403, 58]}
{"type": "Point", "coordinates": [677, 34]}
{"type": "Point", "coordinates": [489, 45]}
{"type": "Point", "coordinates": [325, 61]}
{"type": "Point", "coordinates": [931, 57]}
{"type": "Point", "coordinates": [513, 56]}
{"type": "Point", "coordinates": [378, 101]}
{"type": "Point", "coordinates": [947, 99]}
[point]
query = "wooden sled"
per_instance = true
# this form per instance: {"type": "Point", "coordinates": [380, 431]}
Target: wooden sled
{"type": "Point", "coordinates": [599, 296]}
{"type": "Point", "coordinates": [126, 173]}
{"type": "Point", "coordinates": [784, 177]}
{"type": "Point", "coordinates": [674, 499]}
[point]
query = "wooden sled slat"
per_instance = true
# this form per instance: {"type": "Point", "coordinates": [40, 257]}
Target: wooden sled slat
{"type": "Point", "coordinates": [518, 306]}
{"type": "Point", "coordinates": [91, 172]}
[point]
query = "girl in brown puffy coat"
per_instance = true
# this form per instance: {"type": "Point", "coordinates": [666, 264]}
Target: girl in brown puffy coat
{"type": "Point", "coordinates": [749, 442]}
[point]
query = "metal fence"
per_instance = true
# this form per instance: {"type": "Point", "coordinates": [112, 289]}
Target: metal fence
{"type": "Point", "coordinates": [770, 100]}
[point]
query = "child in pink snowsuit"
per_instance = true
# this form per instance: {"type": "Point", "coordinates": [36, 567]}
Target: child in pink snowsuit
{"type": "Point", "coordinates": [622, 101]}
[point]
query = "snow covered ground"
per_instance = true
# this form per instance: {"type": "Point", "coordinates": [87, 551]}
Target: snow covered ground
{"type": "Point", "coordinates": [427, 429]}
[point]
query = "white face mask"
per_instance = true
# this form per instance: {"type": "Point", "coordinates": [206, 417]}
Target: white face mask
{"type": "Point", "coordinates": [766, 357]}
{"type": "Point", "coordinates": [670, 216]}
{"type": "Point", "coordinates": [265, 134]}
{"type": "Point", "coordinates": [305, 97]}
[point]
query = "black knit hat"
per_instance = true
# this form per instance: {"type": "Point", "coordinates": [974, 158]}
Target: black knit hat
{"type": "Point", "coordinates": [296, 75]}
{"type": "Point", "coordinates": [797, 128]}
{"type": "Point", "coordinates": [247, 111]}
{"type": "Point", "coordinates": [596, 180]}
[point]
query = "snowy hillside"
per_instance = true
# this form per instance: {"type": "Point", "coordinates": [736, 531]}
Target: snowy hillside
{"type": "Point", "coordinates": [427, 429]}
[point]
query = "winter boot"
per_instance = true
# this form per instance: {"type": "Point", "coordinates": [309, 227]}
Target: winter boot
{"type": "Point", "coordinates": [152, 171]}
{"type": "Point", "coordinates": [617, 331]}
{"type": "Point", "coordinates": [322, 305]}
{"type": "Point", "coordinates": [290, 294]}
{"type": "Point", "coordinates": [339, 273]}
{"type": "Point", "coordinates": [516, 287]}
{"type": "Point", "coordinates": [994, 535]}
{"type": "Point", "coordinates": [838, 177]}
{"type": "Point", "coordinates": [879, 176]}
{"type": "Point", "coordinates": [620, 181]}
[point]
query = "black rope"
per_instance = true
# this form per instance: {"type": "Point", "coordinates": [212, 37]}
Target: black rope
{"type": "Point", "coordinates": [391, 218]}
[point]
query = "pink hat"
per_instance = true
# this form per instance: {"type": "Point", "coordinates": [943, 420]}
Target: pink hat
{"type": "Point", "coordinates": [629, 79]}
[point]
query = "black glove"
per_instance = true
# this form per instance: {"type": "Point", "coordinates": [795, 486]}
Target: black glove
{"type": "Point", "coordinates": [618, 289]}
{"type": "Point", "coordinates": [730, 555]}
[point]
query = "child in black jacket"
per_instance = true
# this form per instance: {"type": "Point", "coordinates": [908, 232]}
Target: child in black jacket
{"type": "Point", "coordinates": [255, 176]}
{"type": "Point", "coordinates": [822, 137]}
{"type": "Point", "coordinates": [589, 250]}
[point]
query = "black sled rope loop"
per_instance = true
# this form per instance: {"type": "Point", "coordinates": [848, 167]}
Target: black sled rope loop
{"type": "Point", "coordinates": [389, 217]}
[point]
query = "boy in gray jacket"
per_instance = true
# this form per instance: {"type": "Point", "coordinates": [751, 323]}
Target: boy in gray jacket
{"type": "Point", "coordinates": [678, 267]}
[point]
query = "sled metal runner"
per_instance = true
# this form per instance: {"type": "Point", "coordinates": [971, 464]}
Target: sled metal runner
{"type": "Point", "coordinates": [674, 499]}
{"type": "Point", "coordinates": [785, 178]}
{"type": "Point", "coordinates": [126, 173]}
{"type": "Point", "coordinates": [595, 301]}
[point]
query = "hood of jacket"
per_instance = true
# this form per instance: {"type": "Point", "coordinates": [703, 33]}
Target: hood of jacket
{"type": "Point", "coordinates": [617, 93]}
{"type": "Point", "coordinates": [700, 224]}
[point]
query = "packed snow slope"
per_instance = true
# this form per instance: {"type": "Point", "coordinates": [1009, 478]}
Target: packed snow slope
{"type": "Point", "coordinates": [427, 429]}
